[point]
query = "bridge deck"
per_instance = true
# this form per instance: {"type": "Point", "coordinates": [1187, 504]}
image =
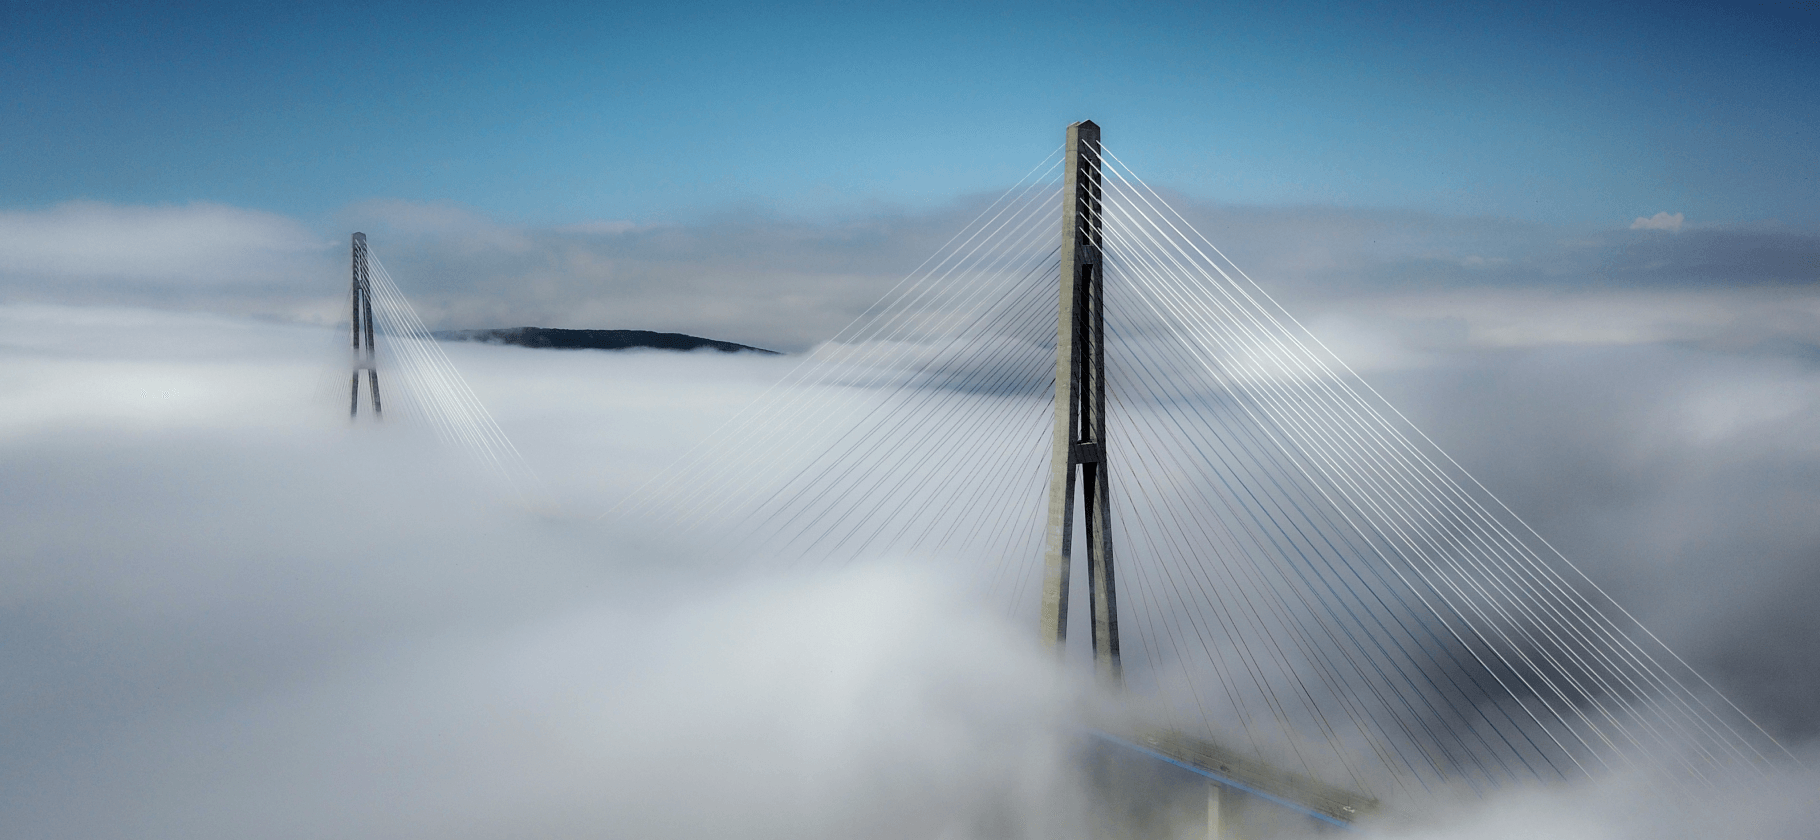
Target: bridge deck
{"type": "Point", "coordinates": [1311, 796]}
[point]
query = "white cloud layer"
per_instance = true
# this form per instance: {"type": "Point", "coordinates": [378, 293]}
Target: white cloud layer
{"type": "Point", "coordinates": [231, 614]}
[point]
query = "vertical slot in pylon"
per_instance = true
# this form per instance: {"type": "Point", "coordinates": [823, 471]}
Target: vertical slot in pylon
{"type": "Point", "coordinates": [1079, 448]}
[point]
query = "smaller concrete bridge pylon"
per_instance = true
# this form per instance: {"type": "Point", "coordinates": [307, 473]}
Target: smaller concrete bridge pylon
{"type": "Point", "coordinates": [361, 329]}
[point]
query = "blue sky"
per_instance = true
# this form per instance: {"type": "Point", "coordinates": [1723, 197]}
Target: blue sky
{"type": "Point", "coordinates": [1570, 113]}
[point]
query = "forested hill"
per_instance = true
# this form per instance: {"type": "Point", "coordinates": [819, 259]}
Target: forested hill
{"type": "Point", "coordinates": [595, 339]}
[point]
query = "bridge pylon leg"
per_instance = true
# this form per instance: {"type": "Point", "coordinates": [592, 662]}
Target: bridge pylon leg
{"type": "Point", "coordinates": [1079, 448]}
{"type": "Point", "coordinates": [1213, 813]}
{"type": "Point", "coordinates": [1222, 813]}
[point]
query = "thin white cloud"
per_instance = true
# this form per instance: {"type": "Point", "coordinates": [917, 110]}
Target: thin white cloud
{"type": "Point", "coordinates": [1660, 221]}
{"type": "Point", "coordinates": [457, 229]}
{"type": "Point", "coordinates": [1378, 328]}
{"type": "Point", "coordinates": [189, 244]}
{"type": "Point", "coordinates": [785, 284]}
{"type": "Point", "coordinates": [599, 228]}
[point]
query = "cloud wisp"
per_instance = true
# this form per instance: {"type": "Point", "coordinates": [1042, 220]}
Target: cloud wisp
{"type": "Point", "coordinates": [1660, 221]}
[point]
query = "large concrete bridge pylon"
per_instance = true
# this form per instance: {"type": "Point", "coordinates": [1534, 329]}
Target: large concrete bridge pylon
{"type": "Point", "coordinates": [1079, 448]}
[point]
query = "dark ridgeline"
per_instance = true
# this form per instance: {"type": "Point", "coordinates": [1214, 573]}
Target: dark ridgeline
{"type": "Point", "coordinates": [595, 339]}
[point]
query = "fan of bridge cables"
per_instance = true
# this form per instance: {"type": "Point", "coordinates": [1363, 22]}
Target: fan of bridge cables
{"type": "Point", "coordinates": [420, 385]}
{"type": "Point", "coordinates": [1302, 575]}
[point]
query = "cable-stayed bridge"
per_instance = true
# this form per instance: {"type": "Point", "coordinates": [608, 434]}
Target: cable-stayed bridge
{"type": "Point", "coordinates": [433, 392]}
{"type": "Point", "coordinates": [1295, 591]}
